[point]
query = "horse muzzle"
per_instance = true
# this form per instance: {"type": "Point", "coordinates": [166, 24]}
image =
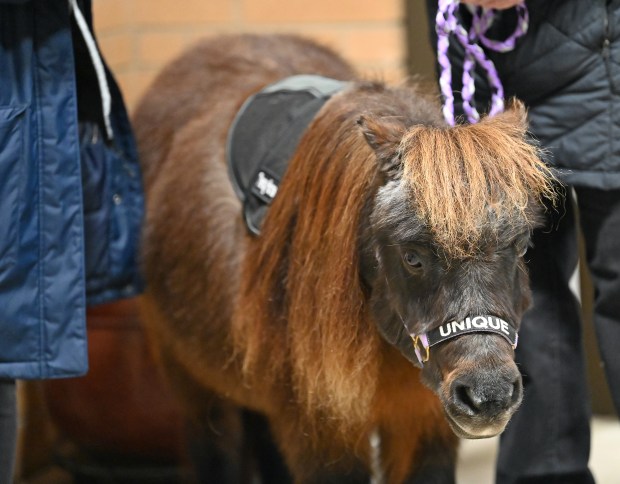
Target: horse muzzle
{"type": "Point", "coordinates": [479, 404]}
{"type": "Point", "coordinates": [474, 373]}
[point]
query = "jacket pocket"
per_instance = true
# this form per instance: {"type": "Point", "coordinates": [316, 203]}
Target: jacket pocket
{"type": "Point", "coordinates": [112, 214]}
{"type": "Point", "coordinates": [12, 162]}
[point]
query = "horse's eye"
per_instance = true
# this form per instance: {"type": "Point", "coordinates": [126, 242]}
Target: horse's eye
{"type": "Point", "coordinates": [522, 248]}
{"type": "Point", "coordinates": [412, 260]}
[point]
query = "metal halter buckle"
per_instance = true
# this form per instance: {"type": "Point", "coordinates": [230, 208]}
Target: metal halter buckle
{"type": "Point", "coordinates": [418, 346]}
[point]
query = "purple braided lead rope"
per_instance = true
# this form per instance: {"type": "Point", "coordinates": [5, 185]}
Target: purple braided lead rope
{"type": "Point", "coordinates": [483, 20]}
{"type": "Point", "coordinates": [446, 23]}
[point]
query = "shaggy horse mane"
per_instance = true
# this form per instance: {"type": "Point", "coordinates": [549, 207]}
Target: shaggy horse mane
{"type": "Point", "coordinates": [302, 318]}
{"type": "Point", "coordinates": [302, 310]}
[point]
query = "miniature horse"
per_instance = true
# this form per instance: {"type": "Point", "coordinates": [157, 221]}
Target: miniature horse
{"type": "Point", "coordinates": [387, 226]}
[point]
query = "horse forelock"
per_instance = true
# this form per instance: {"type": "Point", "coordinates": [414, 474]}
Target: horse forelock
{"type": "Point", "coordinates": [469, 182]}
{"type": "Point", "coordinates": [307, 256]}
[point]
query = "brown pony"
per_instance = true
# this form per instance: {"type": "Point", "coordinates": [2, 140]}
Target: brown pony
{"type": "Point", "coordinates": [387, 223]}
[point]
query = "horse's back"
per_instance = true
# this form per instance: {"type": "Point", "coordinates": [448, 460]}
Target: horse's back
{"type": "Point", "coordinates": [213, 78]}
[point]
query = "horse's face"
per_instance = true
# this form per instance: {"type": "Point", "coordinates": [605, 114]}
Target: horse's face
{"type": "Point", "coordinates": [416, 288]}
{"type": "Point", "coordinates": [448, 229]}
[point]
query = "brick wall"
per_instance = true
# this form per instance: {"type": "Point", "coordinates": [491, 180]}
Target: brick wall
{"type": "Point", "coordinates": [137, 37]}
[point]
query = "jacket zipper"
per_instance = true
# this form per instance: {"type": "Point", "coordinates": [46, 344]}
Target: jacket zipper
{"type": "Point", "coordinates": [606, 47]}
{"type": "Point", "coordinates": [606, 40]}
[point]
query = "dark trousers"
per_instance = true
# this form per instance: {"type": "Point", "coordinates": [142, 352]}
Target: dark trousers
{"type": "Point", "coordinates": [548, 440]}
{"type": "Point", "coordinates": [600, 222]}
{"type": "Point", "coordinates": [8, 429]}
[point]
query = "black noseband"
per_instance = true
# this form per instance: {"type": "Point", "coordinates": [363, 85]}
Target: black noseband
{"type": "Point", "coordinates": [422, 343]}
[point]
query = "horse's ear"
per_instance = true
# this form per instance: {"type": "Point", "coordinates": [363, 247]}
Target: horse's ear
{"type": "Point", "coordinates": [515, 113]}
{"type": "Point", "coordinates": [384, 136]}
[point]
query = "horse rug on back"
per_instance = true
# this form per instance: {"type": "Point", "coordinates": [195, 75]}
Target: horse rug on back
{"type": "Point", "coordinates": [265, 134]}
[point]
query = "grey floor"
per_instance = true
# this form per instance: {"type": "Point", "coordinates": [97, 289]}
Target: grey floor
{"type": "Point", "coordinates": [477, 457]}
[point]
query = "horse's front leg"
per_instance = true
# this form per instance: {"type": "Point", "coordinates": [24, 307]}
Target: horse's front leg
{"type": "Point", "coordinates": [312, 459]}
{"type": "Point", "coordinates": [434, 463]}
{"type": "Point", "coordinates": [215, 444]}
{"type": "Point", "coordinates": [334, 476]}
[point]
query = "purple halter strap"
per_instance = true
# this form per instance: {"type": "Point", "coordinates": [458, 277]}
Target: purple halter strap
{"type": "Point", "coordinates": [446, 24]}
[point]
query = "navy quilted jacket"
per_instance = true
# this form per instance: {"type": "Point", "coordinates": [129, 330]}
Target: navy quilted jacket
{"type": "Point", "coordinates": [70, 201]}
{"type": "Point", "coordinates": [567, 71]}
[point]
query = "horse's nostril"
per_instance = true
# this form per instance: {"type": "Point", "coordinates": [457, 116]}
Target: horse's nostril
{"type": "Point", "coordinates": [465, 398]}
{"type": "Point", "coordinates": [517, 391]}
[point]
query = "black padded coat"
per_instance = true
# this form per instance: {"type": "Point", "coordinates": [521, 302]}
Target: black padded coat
{"type": "Point", "coordinates": [567, 71]}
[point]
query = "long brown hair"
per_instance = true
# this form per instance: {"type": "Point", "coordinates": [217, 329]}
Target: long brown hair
{"type": "Point", "coordinates": [303, 311]}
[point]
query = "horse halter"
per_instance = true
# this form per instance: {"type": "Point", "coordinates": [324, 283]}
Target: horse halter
{"type": "Point", "coordinates": [423, 342]}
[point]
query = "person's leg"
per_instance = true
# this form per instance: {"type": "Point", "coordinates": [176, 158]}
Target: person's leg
{"type": "Point", "coordinates": [548, 439]}
{"type": "Point", "coordinates": [8, 429]}
{"type": "Point", "coordinates": [600, 222]}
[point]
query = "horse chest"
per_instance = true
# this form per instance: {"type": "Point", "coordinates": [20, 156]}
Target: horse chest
{"type": "Point", "coordinates": [264, 136]}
